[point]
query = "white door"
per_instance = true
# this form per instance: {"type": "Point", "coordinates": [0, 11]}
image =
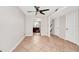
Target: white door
{"type": "Point", "coordinates": [70, 26]}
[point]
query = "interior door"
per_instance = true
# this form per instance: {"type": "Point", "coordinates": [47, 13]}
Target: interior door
{"type": "Point", "coordinates": [70, 27]}
{"type": "Point", "coordinates": [72, 23]}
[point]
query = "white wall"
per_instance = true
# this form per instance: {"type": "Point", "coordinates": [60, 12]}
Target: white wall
{"type": "Point", "coordinates": [11, 27]}
{"type": "Point", "coordinates": [56, 27]}
{"type": "Point", "coordinates": [45, 26]}
{"type": "Point", "coordinates": [29, 25]}
{"type": "Point", "coordinates": [62, 28]}
{"type": "Point", "coordinates": [67, 26]}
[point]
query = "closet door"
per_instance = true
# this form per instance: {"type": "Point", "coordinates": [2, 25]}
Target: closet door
{"type": "Point", "coordinates": [71, 27]}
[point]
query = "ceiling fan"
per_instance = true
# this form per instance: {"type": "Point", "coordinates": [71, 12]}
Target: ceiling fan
{"type": "Point", "coordinates": [37, 8]}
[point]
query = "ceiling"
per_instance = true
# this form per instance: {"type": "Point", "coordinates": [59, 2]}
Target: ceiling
{"type": "Point", "coordinates": [47, 13]}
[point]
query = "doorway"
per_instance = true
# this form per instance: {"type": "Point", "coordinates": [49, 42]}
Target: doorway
{"type": "Point", "coordinates": [36, 27]}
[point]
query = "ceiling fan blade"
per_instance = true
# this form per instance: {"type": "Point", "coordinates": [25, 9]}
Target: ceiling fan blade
{"type": "Point", "coordinates": [37, 8]}
{"type": "Point", "coordinates": [45, 10]}
{"type": "Point", "coordinates": [42, 12]}
{"type": "Point", "coordinates": [30, 11]}
{"type": "Point", "coordinates": [56, 9]}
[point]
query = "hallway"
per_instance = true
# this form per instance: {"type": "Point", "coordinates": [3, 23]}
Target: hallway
{"type": "Point", "coordinates": [39, 43]}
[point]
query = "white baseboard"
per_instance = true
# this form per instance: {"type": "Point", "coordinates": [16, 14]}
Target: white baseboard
{"type": "Point", "coordinates": [69, 40]}
{"type": "Point", "coordinates": [17, 43]}
{"type": "Point", "coordinates": [74, 42]}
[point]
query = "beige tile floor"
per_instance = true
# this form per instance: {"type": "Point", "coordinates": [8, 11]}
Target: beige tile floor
{"type": "Point", "coordinates": [39, 43]}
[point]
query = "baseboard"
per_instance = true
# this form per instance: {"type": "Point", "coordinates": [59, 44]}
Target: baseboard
{"type": "Point", "coordinates": [73, 42]}
{"type": "Point", "coordinates": [17, 43]}
{"type": "Point", "coordinates": [67, 40]}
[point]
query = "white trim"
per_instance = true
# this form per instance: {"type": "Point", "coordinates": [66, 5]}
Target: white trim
{"type": "Point", "coordinates": [49, 27]}
{"type": "Point", "coordinates": [17, 43]}
{"type": "Point", "coordinates": [73, 42]}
